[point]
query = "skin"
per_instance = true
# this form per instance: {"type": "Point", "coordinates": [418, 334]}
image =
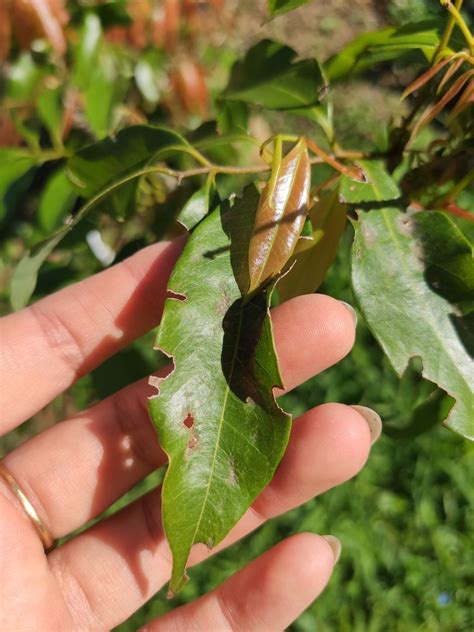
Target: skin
{"type": "Point", "coordinates": [76, 469]}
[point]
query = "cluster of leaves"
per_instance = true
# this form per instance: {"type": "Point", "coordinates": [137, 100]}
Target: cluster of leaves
{"type": "Point", "coordinates": [412, 268]}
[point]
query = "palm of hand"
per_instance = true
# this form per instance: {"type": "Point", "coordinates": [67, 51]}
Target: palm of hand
{"type": "Point", "coordinates": [76, 469]}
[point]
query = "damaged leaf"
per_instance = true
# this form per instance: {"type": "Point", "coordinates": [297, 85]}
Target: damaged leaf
{"type": "Point", "coordinates": [216, 415]}
{"type": "Point", "coordinates": [392, 271]}
{"type": "Point", "coordinates": [280, 216]}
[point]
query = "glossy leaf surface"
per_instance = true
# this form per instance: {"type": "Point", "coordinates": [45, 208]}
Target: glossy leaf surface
{"type": "Point", "coordinates": [216, 415]}
{"type": "Point", "coordinates": [313, 257]}
{"type": "Point", "coordinates": [390, 260]}
{"type": "Point", "coordinates": [380, 186]}
{"type": "Point", "coordinates": [280, 217]}
{"type": "Point", "coordinates": [270, 76]}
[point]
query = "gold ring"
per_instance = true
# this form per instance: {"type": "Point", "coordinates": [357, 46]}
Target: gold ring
{"type": "Point", "coordinates": [45, 536]}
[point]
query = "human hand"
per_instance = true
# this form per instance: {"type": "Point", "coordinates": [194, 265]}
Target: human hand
{"type": "Point", "coordinates": [76, 469]}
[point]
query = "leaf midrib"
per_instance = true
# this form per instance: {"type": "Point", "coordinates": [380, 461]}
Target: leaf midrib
{"type": "Point", "coordinates": [221, 424]}
{"type": "Point", "coordinates": [278, 226]}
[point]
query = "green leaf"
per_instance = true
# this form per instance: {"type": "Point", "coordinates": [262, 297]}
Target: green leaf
{"type": "Point", "coordinates": [384, 45]}
{"type": "Point", "coordinates": [13, 165]}
{"type": "Point", "coordinates": [24, 77]}
{"type": "Point", "coordinates": [216, 415]}
{"type": "Point", "coordinates": [87, 51]}
{"type": "Point", "coordinates": [107, 169]}
{"type": "Point", "coordinates": [321, 114]}
{"type": "Point", "coordinates": [50, 111]}
{"type": "Point", "coordinates": [25, 275]}
{"type": "Point", "coordinates": [57, 200]}
{"type": "Point", "coordinates": [279, 7]}
{"type": "Point", "coordinates": [380, 186]}
{"type": "Point", "coordinates": [97, 166]}
{"type": "Point", "coordinates": [232, 116]}
{"type": "Point", "coordinates": [198, 205]}
{"type": "Point", "coordinates": [270, 76]}
{"type": "Point", "coordinates": [312, 258]}
{"type": "Point", "coordinates": [405, 315]}
{"type": "Point", "coordinates": [430, 413]}
{"type": "Point", "coordinates": [448, 258]}
{"type": "Point", "coordinates": [105, 90]}
{"type": "Point", "coordinates": [147, 73]}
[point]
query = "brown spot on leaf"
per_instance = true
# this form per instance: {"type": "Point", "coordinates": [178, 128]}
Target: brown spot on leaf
{"type": "Point", "coordinates": [175, 296]}
{"type": "Point", "coordinates": [189, 421]}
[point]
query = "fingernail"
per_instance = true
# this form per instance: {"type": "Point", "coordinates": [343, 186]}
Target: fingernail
{"type": "Point", "coordinates": [335, 545]}
{"type": "Point", "coordinates": [352, 311]}
{"type": "Point", "coordinates": [373, 421]}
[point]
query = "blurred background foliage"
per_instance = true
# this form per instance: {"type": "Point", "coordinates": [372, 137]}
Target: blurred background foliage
{"type": "Point", "coordinates": [93, 67]}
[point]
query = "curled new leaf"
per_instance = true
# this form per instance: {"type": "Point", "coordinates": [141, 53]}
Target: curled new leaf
{"type": "Point", "coordinates": [425, 77]}
{"type": "Point", "coordinates": [433, 110]}
{"type": "Point", "coordinates": [280, 215]}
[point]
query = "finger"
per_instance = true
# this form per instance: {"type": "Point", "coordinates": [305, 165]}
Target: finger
{"type": "Point", "coordinates": [268, 594]}
{"type": "Point", "coordinates": [48, 345]}
{"type": "Point", "coordinates": [23, 569]}
{"type": "Point", "coordinates": [122, 562]}
{"type": "Point", "coordinates": [76, 469]}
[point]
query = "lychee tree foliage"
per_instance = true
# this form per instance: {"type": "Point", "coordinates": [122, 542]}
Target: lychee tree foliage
{"type": "Point", "coordinates": [265, 231]}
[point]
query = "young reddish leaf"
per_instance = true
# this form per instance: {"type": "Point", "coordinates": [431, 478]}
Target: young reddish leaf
{"type": "Point", "coordinates": [432, 111]}
{"type": "Point", "coordinates": [280, 215]}
{"type": "Point", "coordinates": [464, 101]}
{"type": "Point", "coordinates": [449, 73]}
{"type": "Point", "coordinates": [425, 77]}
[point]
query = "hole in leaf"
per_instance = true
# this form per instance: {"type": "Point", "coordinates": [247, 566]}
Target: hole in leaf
{"type": "Point", "coordinates": [189, 421]}
{"type": "Point", "coordinates": [175, 296]}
